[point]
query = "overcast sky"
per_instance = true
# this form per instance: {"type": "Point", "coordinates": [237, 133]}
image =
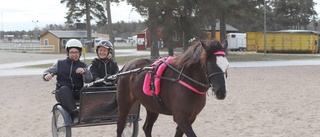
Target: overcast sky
{"type": "Point", "coordinates": [28, 14]}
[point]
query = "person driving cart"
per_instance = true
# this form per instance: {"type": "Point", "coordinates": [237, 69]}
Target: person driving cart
{"type": "Point", "coordinates": [103, 65]}
{"type": "Point", "coordinates": [71, 75]}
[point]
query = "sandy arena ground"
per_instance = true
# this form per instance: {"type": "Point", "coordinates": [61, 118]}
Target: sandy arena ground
{"type": "Point", "coordinates": [261, 102]}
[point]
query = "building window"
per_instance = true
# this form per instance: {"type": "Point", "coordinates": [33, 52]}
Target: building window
{"type": "Point", "coordinates": [46, 42]}
{"type": "Point", "coordinates": [64, 42]}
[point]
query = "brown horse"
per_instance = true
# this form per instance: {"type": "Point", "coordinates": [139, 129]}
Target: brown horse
{"type": "Point", "coordinates": [184, 83]}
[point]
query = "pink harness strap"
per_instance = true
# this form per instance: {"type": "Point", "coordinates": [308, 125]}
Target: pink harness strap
{"type": "Point", "coordinates": [157, 80]}
{"type": "Point", "coordinates": [219, 53]}
{"type": "Point", "coordinates": [146, 85]}
{"type": "Point", "coordinates": [190, 87]}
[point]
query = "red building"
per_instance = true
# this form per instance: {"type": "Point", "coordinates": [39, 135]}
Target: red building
{"type": "Point", "coordinates": [141, 41]}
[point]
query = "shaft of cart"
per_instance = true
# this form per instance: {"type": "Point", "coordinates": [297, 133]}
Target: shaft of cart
{"type": "Point", "coordinates": [108, 79]}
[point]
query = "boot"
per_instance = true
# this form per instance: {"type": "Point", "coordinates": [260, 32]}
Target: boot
{"type": "Point", "coordinates": [74, 116]}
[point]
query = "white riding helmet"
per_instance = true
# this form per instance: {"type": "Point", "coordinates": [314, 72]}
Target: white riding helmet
{"type": "Point", "coordinates": [74, 43]}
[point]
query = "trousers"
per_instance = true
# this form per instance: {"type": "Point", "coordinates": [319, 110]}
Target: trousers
{"type": "Point", "coordinates": [67, 98]}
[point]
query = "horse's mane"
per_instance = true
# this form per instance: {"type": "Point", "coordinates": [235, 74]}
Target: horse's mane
{"type": "Point", "coordinates": [196, 55]}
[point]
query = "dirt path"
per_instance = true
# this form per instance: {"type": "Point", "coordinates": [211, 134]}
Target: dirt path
{"type": "Point", "coordinates": [264, 102]}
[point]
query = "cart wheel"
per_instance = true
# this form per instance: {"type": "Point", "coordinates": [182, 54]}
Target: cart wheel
{"type": "Point", "coordinates": [131, 129]}
{"type": "Point", "coordinates": [58, 125]}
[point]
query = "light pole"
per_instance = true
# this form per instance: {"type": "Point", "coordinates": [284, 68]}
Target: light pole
{"type": "Point", "coordinates": [35, 27]}
{"type": "Point", "coordinates": [1, 25]}
{"type": "Point", "coordinates": [314, 20]}
{"type": "Point", "coordinates": [35, 23]}
{"type": "Point", "coordinates": [265, 26]}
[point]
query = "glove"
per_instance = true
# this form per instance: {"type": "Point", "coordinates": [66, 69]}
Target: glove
{"type": "Point", "coordinates": [109, 79]}
{"type": "Point", "coordinates": [106, 78]}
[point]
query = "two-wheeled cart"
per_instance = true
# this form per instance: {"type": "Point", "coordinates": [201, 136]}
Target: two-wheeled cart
{"type": "Point", "coordinates": [91, 105]}
{"type": "Point", "coordinates": [93, 110]}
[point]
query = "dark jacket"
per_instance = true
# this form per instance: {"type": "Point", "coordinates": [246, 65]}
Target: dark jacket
{"type": "Point", "coordinates": [66, 73]}
{"type": "Point", "coordinates": [101, 68]}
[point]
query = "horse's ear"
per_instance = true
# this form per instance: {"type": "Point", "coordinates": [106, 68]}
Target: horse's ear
{"type": "Point", "coordinates": [202, 43]}
{"type": "Point", "coordinates": [225, 45]}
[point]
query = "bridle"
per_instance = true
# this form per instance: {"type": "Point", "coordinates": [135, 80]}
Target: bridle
{"type": "Point", "coordinates": [184, 75]}
{"type": "Point", "coordinates": [208, 76]}
{"type": "Point", "coordinates": [212, 74]}
{"type": "Point", "coordinates": [218, 53]}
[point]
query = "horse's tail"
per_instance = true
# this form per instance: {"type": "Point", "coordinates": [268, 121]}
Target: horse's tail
{"type": "Point", "coordinates": [111, 106]}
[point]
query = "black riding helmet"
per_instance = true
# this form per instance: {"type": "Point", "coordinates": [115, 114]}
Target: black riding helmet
{"type": "Point", "coordinates": [105, 43]}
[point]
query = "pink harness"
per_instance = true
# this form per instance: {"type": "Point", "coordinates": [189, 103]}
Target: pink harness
{"type": "Point", "coordinates": [157, 81]}
{"type": "Point", "coordinates": [159, 71]}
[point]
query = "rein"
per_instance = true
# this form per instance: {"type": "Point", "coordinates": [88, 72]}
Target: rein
{"type": "Point", "coordinates": [189, 78]}
{"type": "Point", "coordinates": [182, 82]}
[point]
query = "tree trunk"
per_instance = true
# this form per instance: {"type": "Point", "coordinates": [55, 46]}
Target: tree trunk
{"type": "Point", "coordinates": [222, 27]}
{"type": "Point", "coordinates": [223, 35]}
{"type": "Point", "coordinates": [153, 27]}
{"type": "Point", "coordinates": [88, 19]}
{"type": "Point", "coordinates": [167, 31]}
{"type": "Point", "coordinates": [213, 29]}
{"type": "Point", "coordinates": [183, 25]}
{"type": "Point", "coordinates": [110, 28]}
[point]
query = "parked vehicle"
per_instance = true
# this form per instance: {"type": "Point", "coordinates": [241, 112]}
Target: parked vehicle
{"type": "Point", "coordinates": [284, 41]}
{"type": "Point", "coordinates": [236, 41]}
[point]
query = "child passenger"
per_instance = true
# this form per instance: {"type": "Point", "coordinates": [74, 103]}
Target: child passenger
{"type": "Point", "coordinates": [103, 65]}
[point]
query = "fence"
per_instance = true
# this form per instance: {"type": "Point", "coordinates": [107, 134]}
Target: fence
{"type": "Point", "coordinates": [28, 48]}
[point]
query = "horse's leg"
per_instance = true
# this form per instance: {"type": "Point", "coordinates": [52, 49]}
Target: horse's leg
{"type": "Point", "coordinates": [179, 133]}
{"type": "Point", "coordinates": [184, 126]}
{"type": "Point", "coordinates": [122, 119]}
{"type": "Point", "coordinates": [148, 124]}
{"type": "Point", "coordinates": [124, 105]}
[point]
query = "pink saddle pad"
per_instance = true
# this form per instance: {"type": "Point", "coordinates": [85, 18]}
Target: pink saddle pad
{"type": "Point", "coordinates": [157, 81]}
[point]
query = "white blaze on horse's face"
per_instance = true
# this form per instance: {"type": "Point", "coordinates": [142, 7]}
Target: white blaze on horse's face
{"type": "Point", "coordinates": [223, 63]}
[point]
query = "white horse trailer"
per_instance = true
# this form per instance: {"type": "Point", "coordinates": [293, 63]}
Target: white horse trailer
{"type": "Point", "coordinates": [236, 41]}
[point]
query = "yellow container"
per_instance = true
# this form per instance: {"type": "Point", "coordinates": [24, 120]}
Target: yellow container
{"type": "Point", "coordinates": [286, 41]}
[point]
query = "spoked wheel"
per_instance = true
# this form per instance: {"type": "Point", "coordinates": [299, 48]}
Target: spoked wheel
{"type": "Point", "coordinates": [131, 129]}
{"type": "Point", "coordinates": [58, 125]}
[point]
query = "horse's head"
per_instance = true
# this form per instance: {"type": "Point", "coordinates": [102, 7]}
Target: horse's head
{"type": "Point", "coordinates": [216, 66]}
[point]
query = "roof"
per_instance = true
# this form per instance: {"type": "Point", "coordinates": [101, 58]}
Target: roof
{"type": "Point", "coordinates": [68, 33]}
{"type": "Point", "coordinates": [228, 27]}
{"type": "Point", "coordinates": [298, 31]}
